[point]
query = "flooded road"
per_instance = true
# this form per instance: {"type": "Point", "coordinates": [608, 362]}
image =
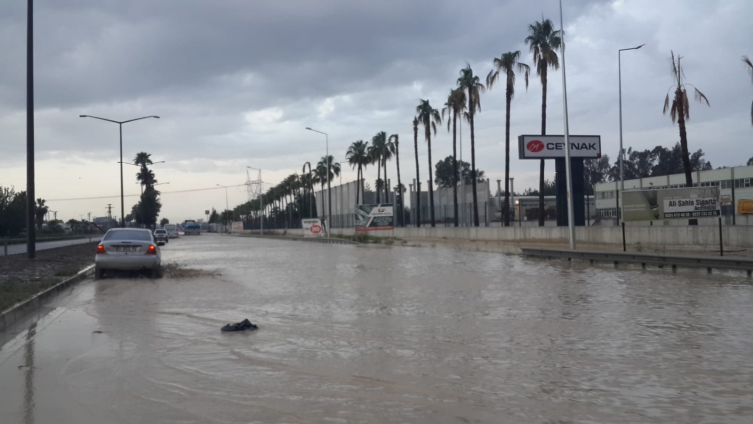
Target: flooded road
{"type": "Point", "coordinates": [358, 334]}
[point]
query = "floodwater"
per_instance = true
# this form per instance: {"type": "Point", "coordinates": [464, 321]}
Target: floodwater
{"type": "Point", "coordinates": [367, 334]}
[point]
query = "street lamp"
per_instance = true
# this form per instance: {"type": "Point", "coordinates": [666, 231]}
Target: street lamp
{"type": "Point", "coordinates": [261, 199]}
{"type": "Point", "coordinates": [329, 188]}
{"type": "Point", "coordinates": [226, 205]}
{"type": "Point", "coordinates": [619, 79]}
{"type": "Point", "coordinates": [512, 197]}
{"type": "Point", "coordinates": [120, 125]}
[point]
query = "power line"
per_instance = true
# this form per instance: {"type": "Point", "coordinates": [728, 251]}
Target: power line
{"type": "Point", "coordinates": [138, 195]}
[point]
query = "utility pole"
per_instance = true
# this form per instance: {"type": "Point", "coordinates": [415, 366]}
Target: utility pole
{"type": "Point", "coordinates": [30, 193]}
{"type": "Point", "coordinates": [109, 210]}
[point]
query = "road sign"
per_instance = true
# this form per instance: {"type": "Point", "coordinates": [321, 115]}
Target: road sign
{"type": "Point", "coordinates": [674, 203]}
{"type": "Point", "coordinates": [553, 146]}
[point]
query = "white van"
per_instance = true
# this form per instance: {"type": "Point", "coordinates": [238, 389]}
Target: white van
{"type": "Point", "coordinates": [172, 230]}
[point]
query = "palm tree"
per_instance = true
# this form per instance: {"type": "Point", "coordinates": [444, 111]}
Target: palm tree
{"type": "Point", "coordinates": [325, 174]}
{"type": "Point", "coordinates": [429, 118]}
{"type": "Point", "coordinates": [401, 203]}
{"type": "Point", "coordinates": [143, 159]}
{"type": "Point", "coordinates": [507, 63]}
{"type": "Point", "coordinates": [376, 152]}
{"type": "Point", "coordinates": [543, 41]}
{"type": "Point", "coordinates": [680, 111]}
{"type": "Point", "coordinates": [308, 184]}
{"type": "Point", "coordinates": [389, 150]}
{"type": "Point", "coordinates": [40, 210]}
{"type": "Point", "coordinates": [454, 107]}
{"type": "Point", "coordinates": [473, 88]}
{"type": "Point", "coordinates": [747, 61]}
{"type": "Point", "coordinates": [358, 157]}
{"type": "Point", "coordinates": [418, 177]}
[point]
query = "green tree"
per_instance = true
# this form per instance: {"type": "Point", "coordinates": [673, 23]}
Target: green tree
{"type": "Point", "coordinates": [507, 63]}
{"type": "Point", "coordinates": [395, 140]}
{"type": "Point", "coordinates": [375, 155]}
{"type": "Point", "coordinates": [214, 217]}
{"type": "Point", "coordinates": [473, 88]}
{"type": "Point", "coordinates": [148, 208]}
{"type": "Point", "coordinates": [163, 222]}
{"type": "Point", "coordinates": [324, 174]}
{"type": "Point", "coordinates": [454, 107]}
{"type": "Point", "coordinates": [358, 157]}
{"type": "Point", "coordinates": [429, 118]}
{"type": "Point", "coordinates": [418, 176]}
{"type": "Point", "coordinates": [679, 111]}
{"type": "Point", "coordinates": [543, 41]}
{"type": "Point", "coordinates": [445, 177]}
{"type": "Point", "coordinates": [12, 212]}
{"type": "Point", "coordinates": [749, 65]}
{"type": "Point", "coordinates": [144, 176]}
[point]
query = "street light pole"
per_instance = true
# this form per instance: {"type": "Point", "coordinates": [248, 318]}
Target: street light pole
{"type": "Point", "coordinates": [512, 198]}
{"type": "Point", "coordinates": [571, 223]}
{"type": "Point", "coordinates": [120, 124]}
{"type": "Point", "coordinates": [329, 187]}
{"type": "Point", "coordinates": [622, 152]}
{"type": "Point", "coordinates": [30, 184]}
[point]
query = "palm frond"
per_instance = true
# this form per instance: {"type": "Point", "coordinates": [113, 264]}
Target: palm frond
{"type": "Point", "coordinates": [751, 113]}
{"type": "Point", "coordinates": [666, 104]}
{"type": "Point", "coordinates": [525, 69]}
{"type": "Point", "coordinates": [700, 97]}
{"type": "Point", "coordinates": [685, 104]}
{"type": "Point", "coordinates": [673, 111]}
{"type": "Point", "coordinates": [747, 61]}
{"type": "Point", "coordinates": [493, 76]}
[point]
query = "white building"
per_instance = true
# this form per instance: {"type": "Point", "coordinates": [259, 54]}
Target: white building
{"type": "Point", "coordinates": [734, 184]}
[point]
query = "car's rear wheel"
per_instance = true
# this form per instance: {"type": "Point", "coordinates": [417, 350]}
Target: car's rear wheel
{"type": "Point", "coordinates": [155, 273]}
{"type": "Point", "coordinates": [99, 273]}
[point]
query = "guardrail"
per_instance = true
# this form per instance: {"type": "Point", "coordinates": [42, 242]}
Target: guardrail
{"type": "Point", "coordinates": [644, 259]}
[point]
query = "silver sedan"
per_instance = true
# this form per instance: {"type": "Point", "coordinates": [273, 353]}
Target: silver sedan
{"type": "Point", "coordinates": [127, 249]}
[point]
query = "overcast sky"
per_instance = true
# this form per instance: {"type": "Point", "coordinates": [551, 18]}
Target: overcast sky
{"type": "Point", "coordinates": [236, 82]}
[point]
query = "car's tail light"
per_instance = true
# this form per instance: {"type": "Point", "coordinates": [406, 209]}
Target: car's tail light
{"type": "Point", "coordinates": [100, 249]}
{"type": "Point", "coordinates": [152, 250]}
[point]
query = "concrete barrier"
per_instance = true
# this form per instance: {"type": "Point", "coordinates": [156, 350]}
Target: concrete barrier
{"type": "Point", "coordinates": [657, 236]}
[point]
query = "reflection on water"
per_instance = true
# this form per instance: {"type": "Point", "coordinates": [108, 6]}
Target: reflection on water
{"type": "Point", "coordinates": [29, 375]}
{"type": "Point", "coordinates": [382, 335]}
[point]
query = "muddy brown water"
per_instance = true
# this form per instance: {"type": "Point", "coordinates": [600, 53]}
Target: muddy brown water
{"type": "Point", "coordinates": [365, 334]}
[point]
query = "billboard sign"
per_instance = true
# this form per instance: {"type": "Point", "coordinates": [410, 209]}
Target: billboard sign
{"type": "Point", "coordinates": [553, 146]}
{"type": "Point", "coordinates": [312, 227]}
{"type": "Point", "coordinates": [374, 217]}
{"type": "Point", "coordinates": [673, 203]}
{"type": "Point", "coordinates": [236, 227]}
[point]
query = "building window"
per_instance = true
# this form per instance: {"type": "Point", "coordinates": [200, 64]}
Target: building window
{"type": "Point", "coordinates": [747, 182]}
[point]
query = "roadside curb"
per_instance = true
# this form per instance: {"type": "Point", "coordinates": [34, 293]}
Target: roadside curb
{"type": "Point", "coordinates": [18, 311]}
{"type": "Point", "coordinates": [314, 240]}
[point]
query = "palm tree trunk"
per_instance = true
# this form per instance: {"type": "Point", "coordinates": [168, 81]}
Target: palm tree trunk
{"type": "Point", "coordinates": [431, 177]}
{"type": "Point", "coordinates": [455, 168]}
{"type": "Point", "coordinates": [324, 215]}
{"type": "Point", "coordinates": [473, 169]}
{"type": "Point", "coordinates": [358, 183]}
{"type": "Point", "coordinates": [506, 208]}
{"type": "Point", "coordinates": [418, 181]}
{"type": "Point", "coordinates": [379, 177]}
{"type": "Point", "coordinates": [684, 147]}
{"type": "Point", "coordinates": [386, 184]}
{"type": "Point", "coordinates": [543, 132]}
{"type": "Point", "coordinates": [399, 183]}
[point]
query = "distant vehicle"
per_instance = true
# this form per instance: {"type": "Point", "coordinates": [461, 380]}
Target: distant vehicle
{"type": "Point", "coordinates": [127, 249]}
{"type": "Point", "coordinates": [160, 235]}
{"type": "Point", "coordinates": [191, 227]}
{"type": "Point", "coordinates": [172, 230]}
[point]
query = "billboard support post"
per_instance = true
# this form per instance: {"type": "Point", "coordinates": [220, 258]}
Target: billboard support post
{"type": "Point", "coordinates": [624, 246]}
{"type": "Point", "coordinates": [721, 240]}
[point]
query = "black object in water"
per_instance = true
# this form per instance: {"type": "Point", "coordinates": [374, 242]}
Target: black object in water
{"type": "Point", "coordinates": [241, 326]}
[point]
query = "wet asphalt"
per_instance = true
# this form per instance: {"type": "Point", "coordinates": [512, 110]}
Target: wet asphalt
{"type": "Point", "coordinates": [375, 334]}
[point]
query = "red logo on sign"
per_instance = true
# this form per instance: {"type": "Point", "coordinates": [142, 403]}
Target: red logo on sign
{"type": "Point", "coordinates": [316, 229]}
{"type": "Point", "coordinates": [535, 146]}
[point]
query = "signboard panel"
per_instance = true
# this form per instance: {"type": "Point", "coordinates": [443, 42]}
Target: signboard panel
{"type": "Point", "coordinates": [236, 227]}
{"type": "Point", "coordinates": [553, 146]}
{"type": "Point", "coordinates": [374, 217]}
{"type": "Point", "coordinates": [674, 203]}
{"type": "Point", "coordinates": [312, 227]}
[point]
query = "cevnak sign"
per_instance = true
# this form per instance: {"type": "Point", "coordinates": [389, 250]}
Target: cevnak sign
{"type": "Point", "coordinates": [553, 146]}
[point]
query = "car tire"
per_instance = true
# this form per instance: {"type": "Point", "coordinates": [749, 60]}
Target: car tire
{"type": "Point", "coordinates": [155, 273]}
{"type": "Point", "coordinates": [99, 273]}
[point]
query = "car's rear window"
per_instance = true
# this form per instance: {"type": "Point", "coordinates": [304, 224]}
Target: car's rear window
{"type": "Point", "coordinates": [160, 232]}
{"type": "Point", "coordinates": [128, 235]}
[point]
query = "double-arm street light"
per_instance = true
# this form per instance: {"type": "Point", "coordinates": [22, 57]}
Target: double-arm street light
{"type": "Point", "coordinates": [120, 125]}
{"type": "Point", "coordinates": [329, 187]}
{"type": "Point", "coordinates": [622, 153]}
